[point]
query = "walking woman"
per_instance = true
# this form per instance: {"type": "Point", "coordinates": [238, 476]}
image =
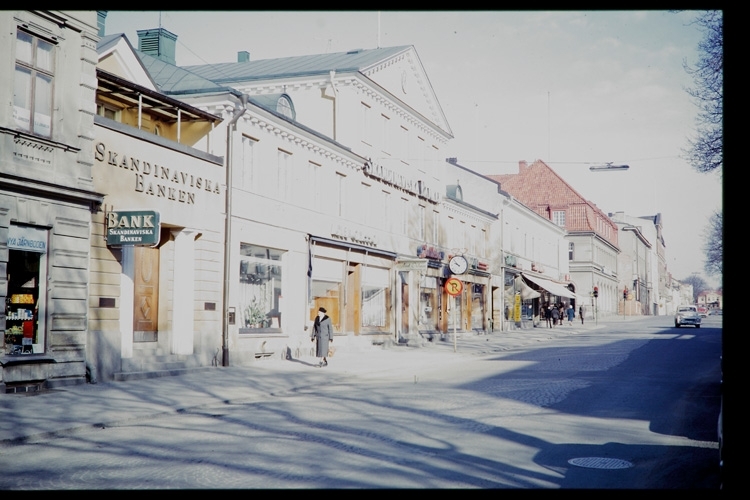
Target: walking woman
{"type": "Point", "coordinates": [322, 332]}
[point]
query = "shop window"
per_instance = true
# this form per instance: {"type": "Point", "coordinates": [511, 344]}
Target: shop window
{"type": "Point", "coordinates": [428, 304]}
{"type": "Point", "coordinates": [326, 290]}
{"type": "Point", "coordinates": [260, 304]}
{"type": "Point", "coordinates": [376, 297]}
{"type": "Point", "coordinates": [25, 301]}
{"type": "Point", "coordinates": [32, 88]}
{"type": "Point", "coordinates": [477, 307]}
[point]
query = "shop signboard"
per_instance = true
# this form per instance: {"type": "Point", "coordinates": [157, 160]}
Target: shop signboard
{"type": "Point", "coordinates": [134, 227]}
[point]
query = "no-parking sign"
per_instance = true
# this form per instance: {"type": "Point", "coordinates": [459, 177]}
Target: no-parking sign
{"type": "Point", "coordinates": [454, 286]}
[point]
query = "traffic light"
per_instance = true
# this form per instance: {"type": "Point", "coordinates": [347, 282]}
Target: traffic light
{"type": "Point", "coordinates": [596, 291]}
{"type": "Point", "coordinates": [625, 294]}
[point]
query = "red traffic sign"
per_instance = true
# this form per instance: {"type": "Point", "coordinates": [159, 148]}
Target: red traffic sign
{"type": "Point", "coordinates": [454, 286]}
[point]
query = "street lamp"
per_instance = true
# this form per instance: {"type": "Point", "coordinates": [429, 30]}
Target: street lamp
{"type": "Point", "coordinates": [608, 167]}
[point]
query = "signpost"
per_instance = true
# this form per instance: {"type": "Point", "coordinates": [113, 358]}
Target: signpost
{"type": "Point", "coordinates": [454, 287]}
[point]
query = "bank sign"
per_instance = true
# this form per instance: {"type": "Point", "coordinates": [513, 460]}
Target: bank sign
{"type": "Point", "coordinates": [139, 227]}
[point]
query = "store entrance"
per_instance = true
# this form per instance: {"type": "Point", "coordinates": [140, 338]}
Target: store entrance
{"type": "Point", "coordinates": [24, 304]}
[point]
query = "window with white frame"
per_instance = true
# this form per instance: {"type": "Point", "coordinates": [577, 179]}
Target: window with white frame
{"type": "Point", "coordinates": [558, 217]}
{"type": "Point", "coordinates": [386, 218]}
{"type": "Point", "coordinates": [366, 123]}
{"type": "Point", "coordinates": [33, 82]}
{"type": "Point", "coordinates": [404, 147]}
{"type": "Point", "coordinates": [571, 248]}
{"type": "Point", "coordinates": [314, 174]}
{"type": "Point", "coordinates": [404, 217]}
{"type": "Point", "coordinates": [341, 180]}
{"type": "Point", "coordinates": [435, 227]}
{"type": "Point", "coordinates": [283, 167]}
{"type": "Point", "coordinates": [420, 222]}
{"type": "Point", "coordinates": [385, 123]}
{"type": "Point", "coordinates": [260, 288]}
{"type": "Point", "coordinates": [246, 173]}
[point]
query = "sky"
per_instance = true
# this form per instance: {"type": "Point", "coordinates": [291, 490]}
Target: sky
{"type": "Point", "coordinates": [571, 88]}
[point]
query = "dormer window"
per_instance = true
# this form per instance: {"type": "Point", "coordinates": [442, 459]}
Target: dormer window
{"type": "Point", "coordinates": [284, 106]}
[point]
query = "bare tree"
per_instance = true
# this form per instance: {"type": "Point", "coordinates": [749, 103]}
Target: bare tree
{"type": "Point", "coordinates": [714, 244]}
{"type": "Point", "coordinates": [699, 285]}
{"type": "Point", "coordinates": [706, 150]}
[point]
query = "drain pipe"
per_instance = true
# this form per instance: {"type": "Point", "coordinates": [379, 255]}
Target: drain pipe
{"type": "Point", "coordinates": [238, 112]}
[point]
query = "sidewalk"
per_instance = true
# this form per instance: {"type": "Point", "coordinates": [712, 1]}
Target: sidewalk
{"type": "Point", "coordinates": [64, 410]}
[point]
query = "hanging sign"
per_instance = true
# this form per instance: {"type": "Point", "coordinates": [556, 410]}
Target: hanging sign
{"type": "Point", "coordinates": [454, 286]}
{"type": "Point", "coordinates": [139, 227]}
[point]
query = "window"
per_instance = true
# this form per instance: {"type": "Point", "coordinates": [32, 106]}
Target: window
{"type": "Point", "coordinates": [314, 188]}
{"type": "Point", "coordinates": [384, 143]}
{"type": "Point", "coordinates": [404, 146]}
{"type": "Point", "coordinates": [25, 307]}
{"type": "Point", "coordinates": [32, 89]}
{"type": "Point", "coordinates": [342, 194]}
{"type": "Point", "coordinates": [246, 172]}
{"type": "Point", "coordinates": [421, 222]}
{"type": "Point", "coordinates": [108, 111]}
{"type": "Point", "coordinates": [571, 247]}
{"type": "Point", "coordinates": [435, 227]}
{"type": "Point", "coordinates": [366, 124]}
{"type": "Point", "coordinates": [558, 217]}
{"type": "Point", "coordinates": [376, 297]}
{"type": "Point", "coordinates": [284, 107]}
{"type": "Point", "coordinates": [260, 288]}
{"type": "Point", "coordinates": [284, 160]}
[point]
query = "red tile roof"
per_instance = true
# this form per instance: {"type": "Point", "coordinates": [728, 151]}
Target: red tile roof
{"type": "Point", "coordinates": [540, 188]}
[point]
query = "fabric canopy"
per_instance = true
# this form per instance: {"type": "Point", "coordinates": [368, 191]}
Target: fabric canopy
{"type": "Point", "coordinates": [552, 287]}
{"type": "Point", "coordinates": [526, 291]}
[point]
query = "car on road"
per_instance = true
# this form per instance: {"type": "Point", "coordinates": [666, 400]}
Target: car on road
{"type": "Point", "coordinates": [687, 315]}
{"type": "Point", "coordinates": [715, 312]}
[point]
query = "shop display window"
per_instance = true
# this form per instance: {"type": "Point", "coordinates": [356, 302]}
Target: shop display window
{"type": "Point", "coordinates": [261, 271]}
{"type": "Point", "coordinates": [25, 299]}
{"type": "Point", "coordinates": [428, 304]}
{"type": "Point", "coordinates": [326, 289]}
{"type": "Point", "coordinates": [376, 297]}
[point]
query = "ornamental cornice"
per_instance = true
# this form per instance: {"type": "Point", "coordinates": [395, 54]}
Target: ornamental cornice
{"type": "Point", "coordinates": [301, 142]}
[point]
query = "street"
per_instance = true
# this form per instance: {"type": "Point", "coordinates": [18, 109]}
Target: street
{"type": "Point", "coordinates": [630, 405]}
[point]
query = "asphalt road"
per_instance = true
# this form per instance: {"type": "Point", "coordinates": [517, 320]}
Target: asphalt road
{"type": "Point", "coordinates": [631, 406]}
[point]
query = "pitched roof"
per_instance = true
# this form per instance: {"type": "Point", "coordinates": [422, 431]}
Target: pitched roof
{"type": "Point", "coordinates": [541, 189]}
{"type": "Point", "coordinates": [319, 64]}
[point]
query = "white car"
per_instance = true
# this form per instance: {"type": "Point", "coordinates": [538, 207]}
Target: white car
{"type": "Point", "coordinates": [687, 315]}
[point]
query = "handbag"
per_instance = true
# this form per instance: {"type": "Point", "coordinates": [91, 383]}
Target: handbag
{"type": "Point", "coordinates": [331, 351]}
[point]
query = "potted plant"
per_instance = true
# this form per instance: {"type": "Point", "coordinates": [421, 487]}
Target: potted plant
{"type": "Point", "coordinates": [255, 316]}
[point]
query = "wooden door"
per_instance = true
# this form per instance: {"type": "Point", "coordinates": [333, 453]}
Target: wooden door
{"type": "Point", "coordinates": [146, 294]}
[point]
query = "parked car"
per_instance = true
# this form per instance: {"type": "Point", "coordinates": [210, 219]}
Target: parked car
{"type": "Point", "coordinates": [687, 315]}
{"type": "Point", "coordinates": [715, 312]}
{"type": "Point", "coordinates": [702, 312]}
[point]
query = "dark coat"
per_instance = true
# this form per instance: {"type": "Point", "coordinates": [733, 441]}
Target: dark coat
{"type": "Point", "coordinates": [322, 332]}
{"type": "Point", "coordinates": [555, 313]}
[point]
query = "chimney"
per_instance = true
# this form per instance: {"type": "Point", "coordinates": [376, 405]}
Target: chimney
{"type": "Point", "coordinates": [158, 43]}
{"type": "Point", "coordinates": [243, 56]}
{"type": "Point", "coordinates": [522, 165]}
{"type": "Point", "coordinates": [101, 15]}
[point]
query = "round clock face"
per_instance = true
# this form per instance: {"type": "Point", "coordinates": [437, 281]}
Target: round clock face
{"type": "Point", "coordinates": [458, 264]}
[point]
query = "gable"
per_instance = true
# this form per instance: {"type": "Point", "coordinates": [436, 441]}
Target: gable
{"type": "Point", "coordinates": [403, 76]}
{"type": "Point", "coordinates": [118, 57]}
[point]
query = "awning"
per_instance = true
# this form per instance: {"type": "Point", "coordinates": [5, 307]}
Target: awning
{"type": "Point", "coordinates": [552, 287]}
{"type": "Point", "coordinates": [526, 291]}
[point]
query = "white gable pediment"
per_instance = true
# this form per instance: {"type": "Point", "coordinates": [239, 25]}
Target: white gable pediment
{"type": "Point", "coordinates": [119, 58]}
{"type": "Point", "coordinates": [404, 77]}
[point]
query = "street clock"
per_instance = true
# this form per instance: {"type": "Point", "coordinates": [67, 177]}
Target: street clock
{"type": "Point", "coordinates": [458, 264]}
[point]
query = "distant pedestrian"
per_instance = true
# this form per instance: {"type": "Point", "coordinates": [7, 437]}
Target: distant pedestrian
{"type": "Point", "coordinates": [548, 316]}
{"type": "Point", "coordinates": [580, 312]}
{"type": "Point", "coordinates": [571, 314]}
{"type": "Point", "coordinates": [322, 332]}
{"type": "Point", "coordinates": [555, 315]}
